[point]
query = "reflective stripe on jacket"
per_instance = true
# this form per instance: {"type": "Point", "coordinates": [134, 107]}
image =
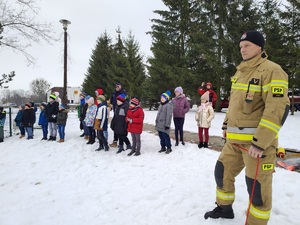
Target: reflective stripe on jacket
{"type": "Point", "coordinates": [258, 101]}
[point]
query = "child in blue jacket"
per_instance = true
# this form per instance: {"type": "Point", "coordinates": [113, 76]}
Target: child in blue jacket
{"type": "Point", "coordinates": [43, 122]}
{"type": "Point", "coordinates": [18, 121]}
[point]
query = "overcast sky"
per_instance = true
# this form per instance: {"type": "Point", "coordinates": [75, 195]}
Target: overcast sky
{"type": "Point", "coordinates": [89, 19]}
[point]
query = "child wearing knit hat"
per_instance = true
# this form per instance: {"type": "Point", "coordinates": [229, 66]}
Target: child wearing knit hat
{"type": "Point", "coordinates": [90, 119]}
{"type": "Point", "coordinates": [163, 122]}
{"type": "Point", "coordinates": [61, 122]}
{"type": "Point", "coordinates": [51, 112]}
{"type": "Point", "coordinates": [119, 124]}
{"type": "Point", "coordinates": [28, 120]}
{"type": "Point", "coordinates": [101, 122]}
{"type": "Point", "coordinates": [181, 107]}
{"type": "Point", "coordinates": [204, 116]}
{"type": "Point", "coordinates": [43, 122]}
{"type": "Point", "coordinates": [207, 87]}
{"type": "Point", "coordinates": [135, 118]}
{"type": "Point", "coordinates": [18, 120]}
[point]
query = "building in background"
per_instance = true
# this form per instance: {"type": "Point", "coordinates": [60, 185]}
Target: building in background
{"type": "Point", "coordinates": [72, 94]}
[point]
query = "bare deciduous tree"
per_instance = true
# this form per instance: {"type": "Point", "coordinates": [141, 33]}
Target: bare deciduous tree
{"type": "Point", "coordinates": [19, 97]}
{"type": "Point", "coordinates": [19, 27]}
{"type": "Point", "coordinates": [6, 78]}
{"type": "Point", "coordinates": [39, 88]}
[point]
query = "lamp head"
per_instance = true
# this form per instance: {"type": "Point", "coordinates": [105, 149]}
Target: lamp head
{"type": "Point", "coordinates": [65, 23]}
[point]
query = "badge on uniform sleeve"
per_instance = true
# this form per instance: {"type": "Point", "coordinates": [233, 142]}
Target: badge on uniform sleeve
{"type": "Point", "coordinates": [234, 79]}
{"type": "Point", "coordinates": [277, 91]}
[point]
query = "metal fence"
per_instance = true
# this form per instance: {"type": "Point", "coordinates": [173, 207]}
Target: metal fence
{"type": "Point", "coordinates": [10, 127]}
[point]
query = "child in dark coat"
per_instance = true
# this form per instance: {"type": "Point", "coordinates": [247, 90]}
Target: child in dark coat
{"type": "Point", "coordinates": [119, 124]}
{"type": "Point", "coordinates": [43, 122]}
{"type": "Point", "coordinates": [2, 122]}
{"type": "Point", "coordinates": [62, 116]}
{"type": "Point", "coordinates": [28, 120]}
{"type": "Point", "coordinates": [18, 120]}
{"type": "Point", "coordinates": [135, 118]}
{"type": "Point", "coordinates": [51, 113]}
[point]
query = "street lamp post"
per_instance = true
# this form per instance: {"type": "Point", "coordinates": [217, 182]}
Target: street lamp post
{"type": "Point", "coordinates": [65, 24]}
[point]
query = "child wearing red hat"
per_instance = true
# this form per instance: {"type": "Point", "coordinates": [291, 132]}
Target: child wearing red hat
{"type": "Point", "coordinates": [118, 123]}
{"type": "Point", "coordinates": [135, 118]}
{"type": "Point", "coordinates": [208, 87]}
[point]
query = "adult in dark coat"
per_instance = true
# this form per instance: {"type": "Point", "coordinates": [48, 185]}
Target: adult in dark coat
{"type": "Point", "coordinates": [113, 100]}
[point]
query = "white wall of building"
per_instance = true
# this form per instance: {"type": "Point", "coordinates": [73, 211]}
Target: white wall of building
{"type": "Point", "coordinates": [72, 94]}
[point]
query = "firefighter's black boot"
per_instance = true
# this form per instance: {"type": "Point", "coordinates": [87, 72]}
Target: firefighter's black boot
{"type": "Point", "coordinates": [224, 211]}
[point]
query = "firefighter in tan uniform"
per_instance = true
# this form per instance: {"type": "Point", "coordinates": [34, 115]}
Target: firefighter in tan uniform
{"type": "Point", "coordinates": [257, 109]}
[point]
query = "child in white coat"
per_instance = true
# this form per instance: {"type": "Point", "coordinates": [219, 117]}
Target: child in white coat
{"type": "Point", "coordinates": [204, 116]}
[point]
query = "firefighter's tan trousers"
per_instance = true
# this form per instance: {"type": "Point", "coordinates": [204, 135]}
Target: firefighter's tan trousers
{"type": "Point", "coordinates": [231, 162]}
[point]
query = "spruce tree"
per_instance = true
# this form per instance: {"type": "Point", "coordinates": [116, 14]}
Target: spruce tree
{"type": "Point", "coordinates": [291, 35]}
{"type": "Point", "coordinates": [136, 69]}
{"type": "Point", "coordinates": [118, 70]}
{"type": "Point", "coordinates": [101, 59]}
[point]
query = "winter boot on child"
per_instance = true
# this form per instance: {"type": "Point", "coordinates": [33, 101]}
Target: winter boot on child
{"type": "Point", "coordinates": [100, 147]}
{"type": "Point", "coordinates": [200, 145]}
{"type": "Point", "coordinates": [137, 153]}
{"type": "Point", "coordinates": [163, 149]}
{"type": "Point", "coordinates": [121, 148]}
{"type": "Point", "coordinates": [106, 147]}
{"type": "Point", "coordinates": [131, 152]}
{"type": "Point", "coordinates": [114, 144]}
{"type": "Point", "coordinates": [169, 150]}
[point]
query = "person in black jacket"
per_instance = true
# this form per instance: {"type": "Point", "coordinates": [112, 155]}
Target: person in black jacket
{"type": "Point", "coordinates": [51, 113]}
{"type": "Point", "coordinates": [119, 124]}
{"type": "Point", "coordinates": [61, 122]}
{"type": "Point", "coordinates": [2, 122]}
{"type": "Point", "coordinates": [28, 120]}
{"type": "Point", "coordinates": [83, 108]}
{"type": "Point", "coordinates": [113, 100]}
{"type": "Point", "coordinates": [18, 120]}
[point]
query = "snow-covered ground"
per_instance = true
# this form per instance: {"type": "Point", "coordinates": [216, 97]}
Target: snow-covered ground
{"type": "Point", "coordinates": [46, 183]}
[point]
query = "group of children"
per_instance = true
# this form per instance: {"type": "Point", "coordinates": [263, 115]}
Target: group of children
{"type": "Point", "coordinates": [128, 117]}
{"type": "Point", "coordinates": [53, 117]}
{"type": "Point", "coordinates": [178, 107]}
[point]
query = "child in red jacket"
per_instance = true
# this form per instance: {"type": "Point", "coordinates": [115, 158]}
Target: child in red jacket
{"type": "Point", "coordinates": [208, 87]}
{"type": "Point", "coordinates": [135, 119]}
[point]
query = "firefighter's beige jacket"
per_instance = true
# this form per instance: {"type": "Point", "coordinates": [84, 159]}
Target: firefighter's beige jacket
{"type": "Point", "coordinates": [259, 103]}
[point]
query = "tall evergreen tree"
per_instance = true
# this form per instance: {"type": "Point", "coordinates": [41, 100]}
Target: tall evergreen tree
{"type": "Point", "coordinates": [169, 65]}
{"type": "Point", "coordinates": [118, 70]}
{"type": "Point", "coordinates": [136, 69]}
{"type": "Point", "coordinates": [193, 41]}
{"type": "Point", "coordinates": [291, 35]}
{"type": "Point", "coordinates": [100, 61]}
